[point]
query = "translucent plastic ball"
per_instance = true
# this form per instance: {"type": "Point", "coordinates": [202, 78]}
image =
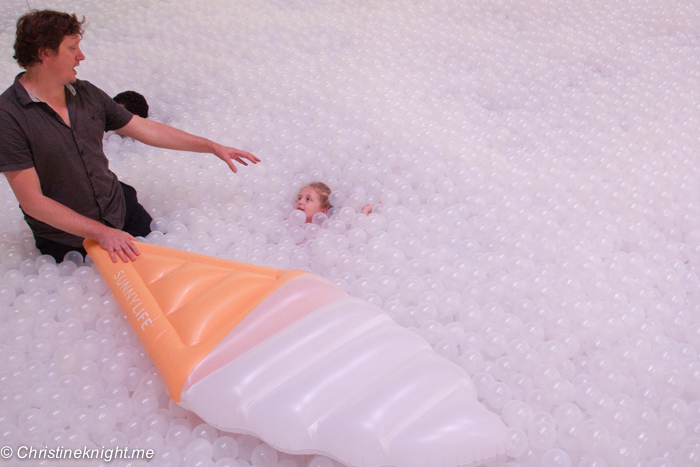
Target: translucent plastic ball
{"type": "Point", "coordinates": [205, 431]}
{"type": "Point", "coordinates": [568, 414]}
{"type": "Point", "coordinates": [670, 431]}
{"type": "Point", "coordinates": [687, 455]}
{"type": "Point", "coordinates": [7, 294]}
{"type": "Point", "coordinates": [156, 422]}
{"type": "Point", "coordinates": [66, 360]}
{"type": "Point", "coordinates": [159, 224]}
{"type": "Point", "coordinates": [297, 218]}
{"type": "Point", "coordinates": [319, 218]}
{"type": "Point", "coordinates": [230, 462]}
{"type": "Point", "coordinates": [337, 198]}
{"type": "Point", "coordinates": [132, 428]}
{"type": "Point", "coordinates": [520, 442]}
{"type": "Point", "coordinates": [199, 448]}
{"type": "Point", "coordinates": [556, 458]}
{"type": "Point", "coordinates": [74, 257]}
{"type": "Point", "coordinates": [447, 349]}
{"type": "Point", "coordinates": [470, 316]}
{"type": "Point", "coordinates": [224, 447]}
{"type": "Point", "coordinates": [321, 461]}
{"type": "Point", "coordinates": [165, 456]}
{"type": "Point", "coordinates": [103, 421]}
{"type": "Point", "coordinates": [472, 361]}
{"type": "Point", "coordinates": [152, 383]}
{"type": "Point", "coordinates": [122, 408]}
{"type": "Point", "coordinates": [88, 392]}
{"type": "Point", "coordinates": [246, 444]}
{"type": "Point", "coordinates": [145, 404]}
{"type": "Point", "coordinates": [411, 288]}
{"type": "Point", "coordinates": [70, 292]}
{"type": "Point", "coordinates": [149, 440]}
{"type": "Point", "coordinates": [542, 435]}
{"type": "Point", "coordinates": [356, 237]}
{"type": "Point", "coordinates": [178, 436]}
{"type": "Point", "coordinates": [594, 439]}
{"type": "Point", "coordinates": [96, 285]}
{"type": "Point", "coordinates": [499, 394]}
{"type": "Point", "coordinates": [495, 344]}
{"type": "Point", "coordinates": [200, 224]}
{"type": "Point", "coordinates": [568, 437]}
{"type": "Point", "coordinates": [520, 385]}
{"type": "Point", "coordinates": [559, 391]}
{"type": "Point", "coordinates": [517, 414]}
{"type": "Point", "coordinates": [12, 258]}
{"type": "Point", "coordinates": [264, 456]}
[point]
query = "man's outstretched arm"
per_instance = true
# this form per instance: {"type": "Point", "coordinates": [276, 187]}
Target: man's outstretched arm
{"type": "Point", "coordinates": [25, 184]}
{"type": "Point", "coordinates": [163, 136]}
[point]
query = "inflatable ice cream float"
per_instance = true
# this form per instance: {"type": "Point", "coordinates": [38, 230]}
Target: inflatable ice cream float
{"type": "Point", "coordinates": [291, 358]}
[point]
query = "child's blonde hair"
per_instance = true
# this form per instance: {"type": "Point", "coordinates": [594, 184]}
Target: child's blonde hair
{"type": "Point", "coordinates": [323, 193]}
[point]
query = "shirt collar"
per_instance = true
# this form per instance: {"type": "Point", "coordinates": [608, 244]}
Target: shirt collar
{"type": "Point", "coordinates": [22, 94]}
{"type": "Point", "coordinates": [31, 96]}
{"type": "Point", "coordinates": [26, 97]}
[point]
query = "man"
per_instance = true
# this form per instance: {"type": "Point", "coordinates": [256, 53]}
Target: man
{"type": "Point", "coordinates": [51, 129]}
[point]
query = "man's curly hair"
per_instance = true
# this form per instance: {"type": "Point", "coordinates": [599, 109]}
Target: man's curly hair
{"type": "Point", "coordinates": [44, 29]}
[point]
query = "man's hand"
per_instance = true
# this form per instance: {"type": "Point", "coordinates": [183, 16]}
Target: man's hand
{"type": "Point", "coordinates": [25, 184]}
{"type": "Point", "coordinates": [228, 155]}
{"type": "Point", "coordinates": [118, 243]}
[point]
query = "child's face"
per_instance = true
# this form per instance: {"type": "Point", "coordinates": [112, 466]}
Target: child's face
{"type": "Point", "coordinates": [309, 201]}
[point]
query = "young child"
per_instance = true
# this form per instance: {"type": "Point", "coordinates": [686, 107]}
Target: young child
{"type": "Point", "coordinates": [314, 198]}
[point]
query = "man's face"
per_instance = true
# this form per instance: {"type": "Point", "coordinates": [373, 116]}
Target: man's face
{"type": "Point", "coordinates": [63, 62]}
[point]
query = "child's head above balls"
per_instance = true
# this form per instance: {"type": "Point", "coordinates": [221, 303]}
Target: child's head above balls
{"type": "Point", "coordinates": [313, 198]}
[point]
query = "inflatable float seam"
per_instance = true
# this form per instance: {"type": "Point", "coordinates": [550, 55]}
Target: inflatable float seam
{"type": "Point", "coordinates": [480, 453]}
{"type": "Point", "coordinates": [183, 296]}
{"type": "Point", "coordinates": [367, 388]}
{"type": "Point", "coordinates": [195, 292]}
{"type": "Point", "coordinates": [375, 322]}
{"type": "Point", "coordinates": [161, 274]}
{"type": "Point", "coordinates": [213, 261]}
{"type": "Point", "coordinates": [360, 392]}
{"type": "Point", "coordinates": [226, 320]}
{"type": "Point", "coordinates": [251, 400]}
{"type": "Point", "coordinates": [414, 415]}
{"type": "Point", "coordinates": [213, 339]}
{"type": "Point", "coordinates": [308, 363]}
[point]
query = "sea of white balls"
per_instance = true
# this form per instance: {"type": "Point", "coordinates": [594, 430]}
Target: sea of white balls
{"type": "Point", "coordinates": [533, 167]}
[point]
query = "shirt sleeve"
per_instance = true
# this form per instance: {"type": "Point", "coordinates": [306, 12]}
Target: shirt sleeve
{"type": "Point", "coordinates": [116, 116]}
{"type": "Point", "coordinates": [15, 153]}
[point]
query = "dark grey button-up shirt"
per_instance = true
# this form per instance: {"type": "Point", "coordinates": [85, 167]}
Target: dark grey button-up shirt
{"type": "Point", "coordinates": [69, 160]}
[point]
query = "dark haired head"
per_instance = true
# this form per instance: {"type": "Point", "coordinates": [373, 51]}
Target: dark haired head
{"type": "Point", "coordinates": [44, 29]}
{"type": "Point", "coordinates": [133, 102]}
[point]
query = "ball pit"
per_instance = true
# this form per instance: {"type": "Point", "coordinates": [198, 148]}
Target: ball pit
{"type": "Point", "coordinates": [536, 165]}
